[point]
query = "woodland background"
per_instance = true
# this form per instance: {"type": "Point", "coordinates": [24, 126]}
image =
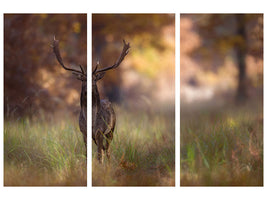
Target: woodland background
{"type": "Point", "coordinates": [221, 56]}
{"type": "Point", "coordinates": [221, 123]}
{"type": "Point", "coordinates": [34, 83]}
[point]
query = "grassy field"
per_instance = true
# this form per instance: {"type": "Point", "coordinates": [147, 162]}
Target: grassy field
{"type": "Point", "coordinates": [222, 146]}
{"type": "Point", "coordinates": [142, 151]}
{"type": "Point", "coordinates": [43, 153]}
{"type": "Point", "coordinates": [48, 153]}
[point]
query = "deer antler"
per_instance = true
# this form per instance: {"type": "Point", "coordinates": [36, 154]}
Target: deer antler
{"type": "Point", "coordinates": [81, 74]}
{"type": "Point", "coordinates": [124, 52]}
{"type": "Point", "coordinates": [97, 64]}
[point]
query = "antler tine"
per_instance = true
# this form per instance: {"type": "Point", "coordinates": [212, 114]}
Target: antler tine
{"type": "Point", "coordinates": [97, 64]}
{"type": "Point", "coordinates": [82, 69]}
{"type": "Point", "coordinates": [124, 52]}
{"type": "Point", "coordinates": [59, 58]}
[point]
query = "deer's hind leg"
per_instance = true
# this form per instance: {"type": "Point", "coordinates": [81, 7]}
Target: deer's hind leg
{"type": "Point", "coordinates": [100, 147]}
{"type": "Point", "coordinates": [85, 142]}
{"type": "Point", "coordinates": [107, 148]}
{"type": "Point", "coordinates": [109, 138]}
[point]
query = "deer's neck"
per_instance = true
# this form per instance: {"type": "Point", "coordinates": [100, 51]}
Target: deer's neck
{"type": "Point", "coordinates": [83, 99]}
{"type": "Point", "coordinates": [95, 98]}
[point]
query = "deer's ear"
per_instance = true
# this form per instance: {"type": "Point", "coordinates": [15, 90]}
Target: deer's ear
{"type": "Point", "coordinates": [100, 75]}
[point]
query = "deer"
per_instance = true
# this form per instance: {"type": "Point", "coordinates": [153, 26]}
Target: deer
{"type": "Point", "coordinates": [82, 76]}
{"type": "Point", "coordinates": [103, 114]}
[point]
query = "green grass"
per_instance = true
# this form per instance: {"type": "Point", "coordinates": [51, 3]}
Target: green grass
{"type": "Point", "coordinates": [222, 146]}
{"type": "Point", "coordinates": [142, 151]}
{"type": "Point", "coordinates": [40, 153]}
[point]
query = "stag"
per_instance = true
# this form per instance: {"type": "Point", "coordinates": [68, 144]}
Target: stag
{"type": "Point", "coordinates": [80, 75]}
{"type": "Point", "coordinates": [103, 115]}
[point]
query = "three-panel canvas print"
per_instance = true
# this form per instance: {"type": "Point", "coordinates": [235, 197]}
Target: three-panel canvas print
{"type": "Point", "coordinates": [133, 112]}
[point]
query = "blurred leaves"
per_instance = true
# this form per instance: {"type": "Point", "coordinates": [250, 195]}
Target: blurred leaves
{"type": "Point", "coordinates": [151, 57]}
{"type": "Point", "coordinates": [76, 27]}
{"type": "Point", "coordinates": [147, 34]}
{"type": "Point", "coordinates": [30, 68]}
{"type": "Point", "coordinates": [218, 33]}
{"type": "Point", "coordinates": [213, 46]}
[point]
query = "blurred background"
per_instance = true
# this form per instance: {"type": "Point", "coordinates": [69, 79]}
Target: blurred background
{"type": "Point", "coordinates": [221, 65]}
{"type": "Point", "coordinates": [34, 82]}
{"type": "Point", "coordinates": [145, 79]}
{"type": "Point", "coordinates": [221, 57]}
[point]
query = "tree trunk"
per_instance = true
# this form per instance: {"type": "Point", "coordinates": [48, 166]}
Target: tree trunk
{"type": "Point", "coordinates": [241, 94]}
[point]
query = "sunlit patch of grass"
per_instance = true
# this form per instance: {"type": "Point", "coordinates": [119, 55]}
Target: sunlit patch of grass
{"type": "Point", "coordinates": [230, 122]}
{"type": "Point", "coordinates": [42, 153]}
{"type": "Point", "coordinates": [222, 146]}
{"type": "Point", "coordinates": [142, 151]}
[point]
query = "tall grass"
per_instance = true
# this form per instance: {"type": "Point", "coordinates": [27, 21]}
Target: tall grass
{"type": "Point", "coordinates": [222, 146]}
{"type": "Point", "coordinates": [41, 153]}
{"type": "Point", "coordinates": [142, 151]}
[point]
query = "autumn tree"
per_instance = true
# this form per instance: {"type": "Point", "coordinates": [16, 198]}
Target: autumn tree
{"type": "Point", "coordinates": [237, 35]}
